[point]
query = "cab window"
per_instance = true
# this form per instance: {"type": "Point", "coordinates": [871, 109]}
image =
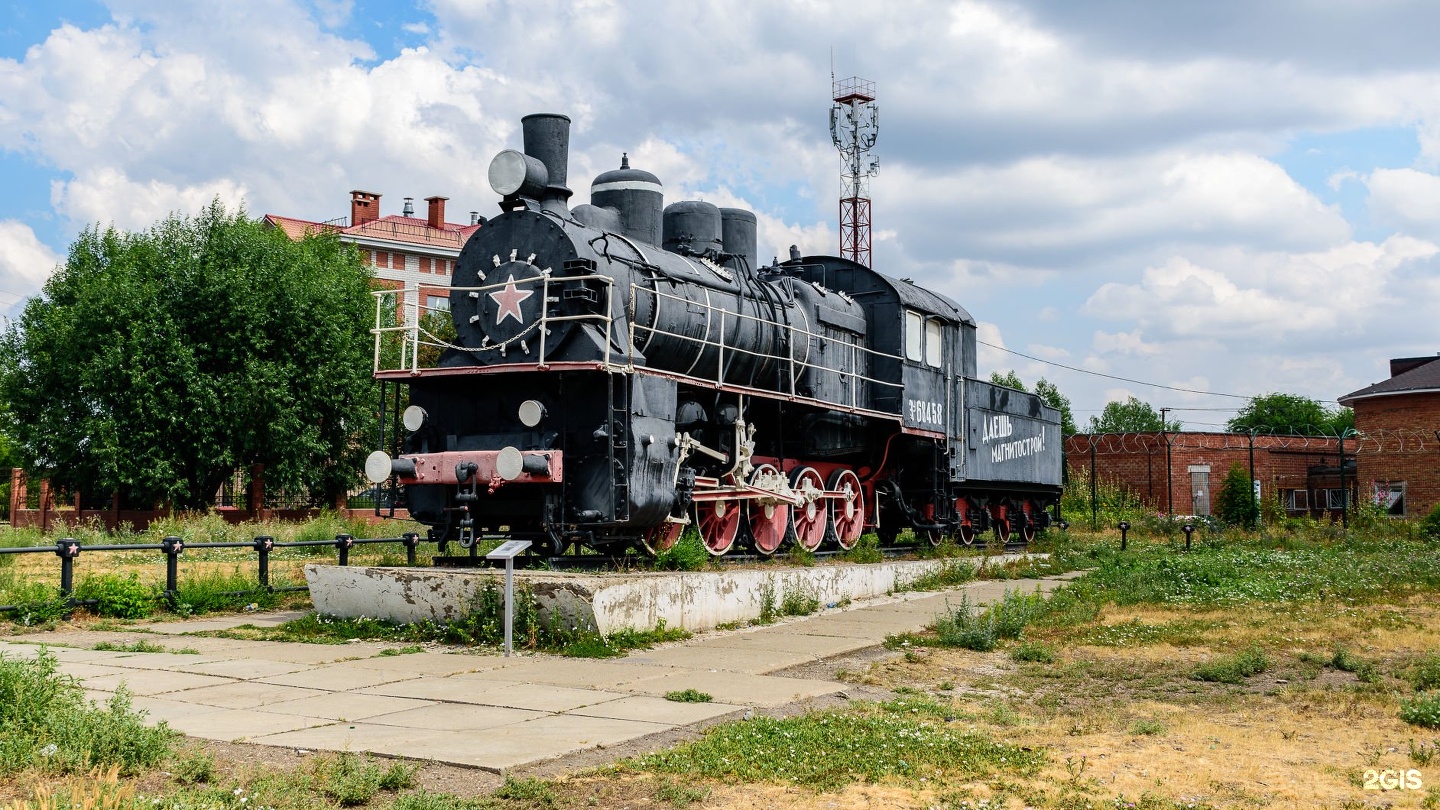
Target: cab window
{"type": "Point", "coordinates": [914, 335]}
{"type": "Point", "coordinates": [933, 342]}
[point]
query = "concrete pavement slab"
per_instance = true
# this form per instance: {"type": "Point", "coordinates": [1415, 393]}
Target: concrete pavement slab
{"type": "Point", "coordinates": [82, 670]}
{"type": "Point", "coordinates": [247, 669]}
{"type": "Point", "coordinates": [587, 731]}
{"type": "Point", "coordinates": [346, 705]}
{"type": "Point", "coordinates": [448, 690]}
{"type": "Point", "coordinates": [342, 677]}
{"type": "Point", "coordinates": [704, 655]}
{"type": "Point", "coordinates": [543, 697]}
{"type": "Point", "coordinates": [657, 710]}
{"type": "Point", "coordinates": [584, 673]}
{"type": "Point", "coordinates": [456, 717]}
{"type": "Point", "coordinates": [154, 682]}
{"type": "Point", "coordinates": [317, 654]}
{"type": "Point", "coordinates": [792, 638]}
{"type": "Point", "coordinates": [225, 622]}
{"type": "Point", "coordinates": [358, 737]}
{"type": "Point", "coordinates": [165, 660]}
{"type": "Point", "coordinates": [433, 663]}
{"type": "Point", "coordinates": [498, 750]}
{"type": "Point", "coordinates": [158, 709]}
{"type": "Point", "coordinates": [230, 725]}
{"type": "Point", "coordinates": [243, 694]}
{"type": "Point", "coordinates": [738, 688]}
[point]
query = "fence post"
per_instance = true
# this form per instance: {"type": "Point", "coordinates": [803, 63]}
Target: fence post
{"type": "Point", "coordinates": [343, 542]}
{"type": "Point", "coordinates": [1124, 533]}
{"type": "Point", "coordinates": [67, 549]}
{"type": "Point", "coordinates": [173, 548]}
{"type": "Point", "coordinates": [263, 545]}
{"type": "Point", "coordinates": [411, 541]}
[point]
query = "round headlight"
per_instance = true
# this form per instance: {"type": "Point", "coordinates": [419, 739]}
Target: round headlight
{"type": "Point", "coordinates": [514, 172]}
{"type": "Point", "coordinates": [531, 412]}
{"type": "Point", "coordinates": [509, 463]}
{"type": "Point", "coordinates": [414, 418]}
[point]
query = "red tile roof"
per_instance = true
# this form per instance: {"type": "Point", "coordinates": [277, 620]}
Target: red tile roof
{"type": "Point", "coordinates": [392, 228]}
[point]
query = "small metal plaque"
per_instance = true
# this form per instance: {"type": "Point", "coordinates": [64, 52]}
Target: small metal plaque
{"type": "Point", "coordinates": [508, 550]}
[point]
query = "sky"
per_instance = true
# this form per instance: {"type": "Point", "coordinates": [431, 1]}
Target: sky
{"type": "Point", "coordinates": [1192, 203]}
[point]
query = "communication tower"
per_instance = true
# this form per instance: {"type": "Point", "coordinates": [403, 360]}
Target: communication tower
{"type": "Point", "coordinates": [854, 124]}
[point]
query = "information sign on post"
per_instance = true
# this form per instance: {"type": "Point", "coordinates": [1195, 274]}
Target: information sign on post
{"type": "Point", "coordinates": [506, 551]}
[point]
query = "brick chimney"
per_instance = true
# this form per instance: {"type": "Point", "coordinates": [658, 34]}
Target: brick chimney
{"type": "Point", "coordinates": [436, 215]}
{"type": "Point", "coordinates": [364, 207]}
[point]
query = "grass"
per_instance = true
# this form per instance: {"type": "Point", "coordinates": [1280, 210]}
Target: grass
{"type": "Point", "coordinates": [139, 646]}
{"type": "Point", "coordinates": [47, 726]}
{"type": "Point", "coordinates": [1422, 710]}
{"type": "Point", "coordinates": [973, 628]}
{"type": "Point", "coordinates": [689, 696]}
{"type": "Point", "coordinates": [905, 740]}
{"type": "Point", "coordinates": [1233, 669]}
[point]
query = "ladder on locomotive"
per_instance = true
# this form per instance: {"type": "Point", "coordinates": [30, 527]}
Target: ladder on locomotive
{"type": "Point", "coordinates": [619, 403]}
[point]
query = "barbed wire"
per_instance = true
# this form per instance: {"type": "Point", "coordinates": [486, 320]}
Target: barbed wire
{"type": "Point", "coordinates": [1383, 440]}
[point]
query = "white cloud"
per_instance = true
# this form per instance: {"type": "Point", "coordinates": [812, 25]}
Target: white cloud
{"type": "Point", "coordinates": [25, 262]}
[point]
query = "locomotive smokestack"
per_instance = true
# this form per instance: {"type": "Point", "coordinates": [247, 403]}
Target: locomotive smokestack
{"type": "Point", "coordinates": [547, 139]}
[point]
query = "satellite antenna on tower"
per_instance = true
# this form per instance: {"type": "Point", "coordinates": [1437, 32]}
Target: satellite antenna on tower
{"type": "Point", "coordinates": [854, 125]}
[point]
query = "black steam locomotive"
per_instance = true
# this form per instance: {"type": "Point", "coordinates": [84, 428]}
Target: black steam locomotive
{"type": "Point", "coordinates": [623, 370]}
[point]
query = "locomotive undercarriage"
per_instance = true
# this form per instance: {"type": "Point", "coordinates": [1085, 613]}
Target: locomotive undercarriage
{"type": "Point", "coordinates": [730, 470]}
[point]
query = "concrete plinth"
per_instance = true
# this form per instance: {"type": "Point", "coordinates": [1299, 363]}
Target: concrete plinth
{"type": "Point", "coordinates": [693, 601]}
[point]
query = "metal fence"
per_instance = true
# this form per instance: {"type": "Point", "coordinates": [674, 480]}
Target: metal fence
{"type": "Point", "coordinates": [68, 550]}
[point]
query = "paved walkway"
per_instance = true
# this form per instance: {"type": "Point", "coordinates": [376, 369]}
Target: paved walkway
{"type": "Point", "coordinates": [478, 710]}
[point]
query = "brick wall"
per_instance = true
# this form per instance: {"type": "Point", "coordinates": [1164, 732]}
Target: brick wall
{"type": "Point", "coordinates": [1137, 463]}
{"type": "Point", "coordinates": [1401, 445]}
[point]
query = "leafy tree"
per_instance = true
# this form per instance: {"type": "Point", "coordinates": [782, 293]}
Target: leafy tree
{"type": "Point", "coordinates": [1290, 414]}
{"type": "Point", "coordinates": [1235, 503]}
{"type": "Point", "coordinates": [155, 363]}
{"type": "Point", "coordinates": [1009, 379]}
{"type": "Point", "coordinates": [1130, 416]}
{"type": "Point", "coordinates": [1048, 393]}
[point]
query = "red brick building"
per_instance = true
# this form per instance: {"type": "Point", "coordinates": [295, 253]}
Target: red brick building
{"type": "Point", "coordinates": [405, 251]}
{"type": "Point", "coordinates": [1181, 473]}
{"type": "Point", "coordinates": [1399, 425]}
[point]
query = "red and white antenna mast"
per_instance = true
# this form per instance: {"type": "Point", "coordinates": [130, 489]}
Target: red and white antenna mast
{"type": "Point", "coordinates": [854, 125]}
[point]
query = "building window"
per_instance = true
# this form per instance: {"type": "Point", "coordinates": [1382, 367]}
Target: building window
{"type": "Point", "coordinates": [1200, 489]}
{"type": "Point", "coordinates": [437, 303]}
{"type": "Point", "coordinates": [1391, 497]}
{"type": "Point", "coordinates": [1335, 498]}
{"type": "Point", "coordinates": [1297, 500]}
{"type": "Point", "coordinates": [914, 335]}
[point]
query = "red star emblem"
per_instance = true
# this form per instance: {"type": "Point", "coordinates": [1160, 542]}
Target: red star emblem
{"type": "Point", "coordinates": [508, 300]}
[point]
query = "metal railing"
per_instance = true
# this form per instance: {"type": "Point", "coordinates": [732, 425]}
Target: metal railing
{"type": "Point", "coordinates": [413, 335]}
{"type": "Point", "coordinates": [68, 550]}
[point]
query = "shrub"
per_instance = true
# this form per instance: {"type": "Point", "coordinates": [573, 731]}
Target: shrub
{"type": "Point", "coordinates": [688, 554]}
{"type": "Point", "coordinates": [1234, 668]}
{"type": "Point", "coordinates": [46, 724]}
{"type": "Point", "coordinates": [116, 596]}
{"type": "Point", "coordinates": [1235, 503]}
{"type": "Point", "coordinates": [689, 696]}
{"type": "Point", "coordinates": [865, 550]}
{"type": "Point", "coordinates": [1424, 674]}
{"type": "Point", "coordinates": [1034, 653]}
{"type": "Point", "coordinates": [1422, 711]}
{"type": "Point", "coordinates": [348, 778]}
{"type": "Point", "coordinates": [970, 628]}
{"type": "Point", "coordinates": [1430, 525]}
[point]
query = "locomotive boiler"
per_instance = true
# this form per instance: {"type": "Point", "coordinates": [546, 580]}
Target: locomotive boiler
{"type": "Point", "coordinates": [622, 370]}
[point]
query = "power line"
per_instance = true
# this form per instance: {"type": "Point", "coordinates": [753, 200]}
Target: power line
{"type": "Point", "coordinates": [1128, 380]}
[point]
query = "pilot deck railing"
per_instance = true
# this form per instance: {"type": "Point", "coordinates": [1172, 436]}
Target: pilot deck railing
{"type": "Point", "coordinates": [413, 336]}
{"type": "Point", "coordinates": [68, 550]}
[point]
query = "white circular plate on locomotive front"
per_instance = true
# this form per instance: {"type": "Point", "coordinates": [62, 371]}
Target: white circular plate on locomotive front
{"type": "Point", "coordinates": [531, 412]}
{"type": "Point", "coordinates": [413, 418]}
{"type": "Point", "coordinates": [509, 463]}
{"type": "Point", "coordinates": [377, 467]}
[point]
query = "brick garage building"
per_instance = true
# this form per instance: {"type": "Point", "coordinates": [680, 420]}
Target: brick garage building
{"type": "Point", "coordinates": [405, 251]}
{"type": "Point", "coordinates": [1181, 473]}
{"type": "Point", "coordinates": [1399, 424]}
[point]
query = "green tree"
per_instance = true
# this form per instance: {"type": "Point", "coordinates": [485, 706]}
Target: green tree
{"type": "Point", "coordinates": [156, 363]}
{"type": "Point", "coordinates": [1289, 414]}
{"type": "Point", "coordinates": [1130, 416]}
{"type": "Point", "coordinates": [1050, 395]}
{"type": "Point", "coordinates": [1235, 503]}
{"type": "Point", "coordinates": [1048, 392]}
{"type": "Point", "coordinates": [1009, 379]}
